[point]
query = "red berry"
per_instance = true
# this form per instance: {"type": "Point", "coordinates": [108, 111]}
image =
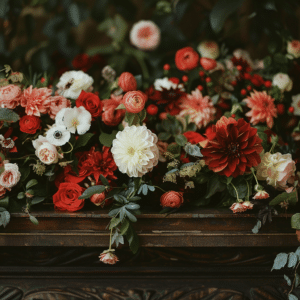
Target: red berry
{"type": "Point", "coordinates": [43, 80]}
{"type": "Point", "coordinates": [233, 116]}
{"type": "Point", "coordinates": [268, 84]}
{"type": "Point", "coordinates": [152, 109]}
{"type": "Point", "coordinates": [240, 68]}
{"type": "Point", "coordinates": [167, 67]}
{"type": "Point", "coordinates": [280, 109]}
{"type": "Point", "coordinates": [291, 109]}
{"type": "Point", "coordinates": [234, 82]}
{"type": "Point", "coordinates": [185, 78]}
{"type": "Point", "coordinates": [249, 87]}
{"type": "Point", "coordinates": [243, 92]}
{"type": "Point", "coordinates": [208, 79]}
{"type": "Point", "coordinates": [201, 73]}
{"type": "Point", "coordinates": [200, 88]}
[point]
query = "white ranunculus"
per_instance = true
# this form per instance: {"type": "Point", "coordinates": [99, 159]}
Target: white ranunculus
{"type": "Point", "coordinates": [71, 84]}
{"type": "Point", "coordinates": [209, 49]}
{"type": "Point", "coordinates": [135, 151]}
{"type": "Point", "coordinates": [10, 176]}
{"type": "Point", "coordinates": [296, 104]}
{"type": "Point", "coordinates": [276, 169]}
{"type": "Point", "coordinates": [283, 82]}
{"type": "Point", "coordinates": [165, 83]}
{"type": "Point", "coordinates": [76, 118]}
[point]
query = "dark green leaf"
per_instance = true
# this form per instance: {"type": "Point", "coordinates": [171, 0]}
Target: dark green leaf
{"type": "Point", "coordinates": [31, 183]}
{"type": "Point", "coordinates": [83, 140]}
{"type": "Point", "coordinates": [97, 189]}
{"type": "Point", "coordinates": [106, 139]}
{"type": "Point", "coordinates": [121, 199]}
{"type": "Point", "coordinates": [214, 185]}
{"type": "Point", "coordinates": [114, 222]}
{"type": "Point", "coordinates": [104, 180]}
{"type": "Point", "coordinates": [37, 199]}
{"type": "Point", "coordinates": [4, 202]}
{"type": "Point", "coordinates": [164, 136]}
{"type": "Point", "coordinates": [21, 195]}
{"type": "Point", "coordinates": [180, 139]}
{"type": "Point", "coordinates": [4, 8]}
{"type": "Point", "coordinates": [239, 185]}
{"type": "Point", "coordinates": [124, 226]}
{"type": "Point", "coordinates": [114, 212]}
{"type": "Point", "coordinates": [122, 213]}
{"type": "Point", "coordinates": [291, 198]}
{"type": "Point", "coordinates": [74, 14]}
{"type": "Point", "coordinates": [130, 216]}
{"type": "Point", "coordinates": [132, 206]}
{"type": "Point", "coordinates": [8, 115]}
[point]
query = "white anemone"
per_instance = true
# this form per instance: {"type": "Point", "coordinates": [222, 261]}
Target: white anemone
{"type": "Point", "coordinates": [58, 135]}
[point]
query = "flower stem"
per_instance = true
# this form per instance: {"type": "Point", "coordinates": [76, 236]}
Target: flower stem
{"type": "Point", "coordinates": [237, 194]}
{"type": "Point", "coordinates": [294, 277]}
{"type": "Point", "coordinates": [252, 170]}
{"type": "Point", "coordinates": [110, 239]}
{"type": "Point", "coordinates": [69, 150]}
{"type": "Point", "coordinates": [159, 188]}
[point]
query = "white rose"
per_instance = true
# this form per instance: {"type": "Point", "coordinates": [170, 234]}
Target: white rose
{"type": "Point", "coordinates": [10, 176]}
{"type": "Point", "coordinates": [293, 48]}
{"type": "Point", "coordinates": [72, 83]}
{"type": "Point", "coordinates": [209, 49]}
{"type": "Point", "coordinates": [283, 82]}
{"type": "Point", "coordinates": [276, 169]}
{"type": "Point", "coordinates": [296, 104]}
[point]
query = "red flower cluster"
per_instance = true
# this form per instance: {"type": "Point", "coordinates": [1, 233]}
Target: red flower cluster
{"type": "Point", "coordinates": [232, 147]}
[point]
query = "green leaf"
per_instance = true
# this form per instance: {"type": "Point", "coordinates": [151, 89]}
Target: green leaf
{"type": "Point", "coordinates": [106, 49]}
{"type": "Point", "coordinates": [121, 106]}
{"type": "Point", "coordinates": [267, 61]}
{"type": "Point", "coordinates": [37, 199]}
{"type": "Point", "coordinates": [4, 8]}
{"type": "Point", "coordinates": [114, 223]}
{"type": "Point", "coordinates": [142, 115]}
{"type": "Point", "coordinates": [132, 119]}
{"type": "Point", "coordinates": [97, 189]}
{"type": "Point", "coordinates": [295, 223]}
{"type": "Point", "coordinates": [8, 115]}
{"type": "Point", "coordinates": [121, 199]}
{"type": "Point", "coordinates": [133, 239]}
{"type": "Point", "coordinates": [164, 136]}
{"type": "Point", "coordinates": [33, 220]}
{"type": "Point", "coordinates": [292, 297]}
{"type": "Point", "coordinates": [241, 187]}
{"type": "Point", "coordinates": [104, 180]}
{"type": "Point", "coordinates": [31, 183]}
{"type": "Point", "coordinates": [293, 259]}
{"type": "Point", "coordinates": [180, 139]}
{"type": "Point", "coordinates": [106, 139]}
{"type": "Point", "coordinates": [288, 281]}
{"type": "Point", "coordinates": [21, 195]}
{"type": "Point", "coordinates": [214, 185]}
{"type": "Point", "coordinates": [221, 11]}
{"type": "Point", "coordinates": [297, 280]}
{"type": "Point", "coordinates": [83, 140]}
{"type": "Point", "coordinates": [4, 202]}
{"type": "Point", "coordinates": [74, 14]}
{"type": "Point", "coordinates": [297, 252]}
{"type": "Point", "coordinates": [124, 226]}
{"type": "Point", "coordinates": [4, 218]}
{"type": "Point", "coordinates": [280, 261]}
{"type": "Point", "coordinates": [130, 216]}
{"type": "Point", "coordinates": [122, 213]}
{"type": "Point", "coordinates": [291, 198]}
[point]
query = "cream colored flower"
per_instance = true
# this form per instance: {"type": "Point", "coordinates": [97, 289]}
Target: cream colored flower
{"type": "Point", "coordinates": [293, 48]}
{"type": "Point", "coordinates": [135, 151]}
{"type": "Point", "coordinates": [209, 49]}
{"type": "Point", "coordinates": [283, 82]}
{"type": "Point", "coordinates": [276, 169]}
{"type": "Point", "coordinates": [296, 104]}
{"type": "Point", "coordinates": [164, 83]}
{"type": "Point", "coordinates": [10, 176]}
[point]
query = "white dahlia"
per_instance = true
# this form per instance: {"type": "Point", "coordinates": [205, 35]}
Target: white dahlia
{"type": "Point", "coordinates": [135, 151]}
{"type": "Point", "coordinates": [71, 84]}
{"type": "Point", "coordinates": [164, 83]}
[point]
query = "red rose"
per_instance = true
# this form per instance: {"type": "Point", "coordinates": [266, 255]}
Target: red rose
{"type": "Point", "coordinates": [171, 199]}
{"type": "Point", "coordinates": [186, 59]}
{"type": "Point", "coordinates": [207, 63]}
{"type": "Point", "coordinates": [91, 103]}
{"type": "Point", "coordinates": [134, 101]}
{"type": "Point", "coordinates": [30, 124]}
{"type": "Point", "coordinates": [66, 198]}
{"type": "Point", "coordinates": [194, 137]}
{"type": "Point", "coordinates": [127, 82]}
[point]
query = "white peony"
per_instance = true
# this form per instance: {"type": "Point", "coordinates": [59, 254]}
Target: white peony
{"type": "Point", "coordinates": [135, 151]}
{"type": "Point", "coordinates": [165, 83]}
{"type": "Point", "coordinates": [71, 84]}
{"type": "Point", "coordinates": [296, 104]}
{"type": "Point", "coordinates": [209, 49]}
{"type": "Point", "coordinates": [276, 169]}
{"type": "Point", "coordinates": [10, 176]}
{"type": "Point", "coordinates": [283, 82]}
{"type": "Point", "coordinates": [76, 118]}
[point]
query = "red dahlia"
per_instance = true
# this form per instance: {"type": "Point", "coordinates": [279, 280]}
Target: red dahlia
{"type": "Point", "coordinates": [232, 147]}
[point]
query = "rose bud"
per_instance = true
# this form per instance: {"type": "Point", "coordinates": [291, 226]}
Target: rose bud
{"type": "Point", "coordinates": [127, 82]}
{"type": "Point", "coordinates": [186, 59]}
{"type": "Point", "coordinates": [98, 199]}
{"type": "Point", "coordinates": [108, 257]}
{"type": "Point", "coordinates": [207, 63]}
{"type": "Point", "coordinates": [171, 199]}
{"type": "Point", "coordinates": [134, 101]}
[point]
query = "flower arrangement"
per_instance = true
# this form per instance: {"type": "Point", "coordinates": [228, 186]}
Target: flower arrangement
{"type": "Point", "coordinates": [218, 130]}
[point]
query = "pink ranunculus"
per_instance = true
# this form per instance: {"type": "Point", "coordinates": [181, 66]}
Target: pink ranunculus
{"type": "Point", "coordinates": [134, 101]}
{"type": "Point", "coordinates": [127, 82]}
{"type": "Point", "coordinates": [10, 96]}
{"type": "Point", "coordinates": [145, 35]}
{"type": "Point", "coordinates": [36, 100]}
{"type": "Point", "coordinates": [112, 116]}
{"type": "Point", "coordinates": [171, 199]}
{"type": "Point", "coordinates": [57, 103]}
{"type": "Point", "coordinates": [10, 176]}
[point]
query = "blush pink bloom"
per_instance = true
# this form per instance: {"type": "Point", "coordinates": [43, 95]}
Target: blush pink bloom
{"type": "Point", "coordinates": [241, 207]}
{"type": "Point", "coordinates": [36, 100]}
{"type": "Point", "coordinates": [10, 176]}
{"type": "Point", "coordinates": [134, 101]}
{"type": "Point", "coordinates": [293, 47]}
{"type": "Point", "coordinates": [262, 108]}
{"type": "Point", "coordinates": [261, 195]}
{"type": "Point", "coordinates": [57, 103]}
{"type": "Point", "coordinates": [209, 49]}
{"type": "Point", "coordinates": [145, 35]}
{"type": "Point", "coordinates": [10, 96]}
{"type": "Point", "coordinates": [199, 109]}
{"type": "Point", "coordinates": [112, 116]}
{"type": "Point", "coordinates": [108, 257]}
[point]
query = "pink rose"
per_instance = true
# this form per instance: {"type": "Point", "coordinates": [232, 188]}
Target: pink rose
{"type": "Point", "coordinates": [112, 116]}
{"type": "Point", "coordinates": [10, 176]}
{"type": "Point", "coordinates": [57, 103]}
{"type": "Point", "coordinates": [10, 96]}
{"type": "Point", "coordinates": [108, 257]}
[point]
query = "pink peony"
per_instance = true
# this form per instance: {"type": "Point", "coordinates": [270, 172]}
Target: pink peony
{"type": "Point", "coordinates": [10, 176]}
{"type": "Point", "coordinates": [112, 116]}
{"type": "Point", "coordinates": [262, 108]}
{"type": "Point", "coordinates": [57, 103]}
{"type": "Point", "coordinates": [36, 100]}
{"type": "Point", "coordinates": [10, 96]}
{"type": "Point", "coordinates": [199, 109]}
{"type": "Point", "coordinates": [145, 35]}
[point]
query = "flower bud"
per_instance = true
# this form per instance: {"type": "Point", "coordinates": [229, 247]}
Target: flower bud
{"type": "Point", "coordinates": [127, 82]}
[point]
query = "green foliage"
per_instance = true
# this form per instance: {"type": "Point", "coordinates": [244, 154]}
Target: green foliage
{"type": "Point", "coordinates": [295, 221]}
{"type": "Point", "coordinates": [97, 189]}
{"type": "Point", "coordinates": [8, 115]}
{"type": "Point", "coordinates": [214, 185]}
{"type": "Point", "coordinates": [106, 139]}
{"type": "Point", "coordinates": [280, 261]}
{"type": "Point", "coordinates": [83, 140]}
{"type": "Point", "coordinates": [4, 217]}
{"type": "Point", "coordinates": [290, 198]}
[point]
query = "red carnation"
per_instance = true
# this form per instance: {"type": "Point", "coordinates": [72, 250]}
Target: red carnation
{"type": "Point", "coordinates": [232, 147]}
{"type": "Point", "coordinates": [127, 82]}
{"type": "Point", "coordinates": [30, 124]}
{"type": "Point", "coordinates": [194, 137]}
{"type": "Point", "coordinates": [171, 199]}
{"type": "Point", "coordinates": [207, 63]}
{"type": "Point", "coordinates": [91, 103]}
{"type": "Point", "coordinates": [186, 59]}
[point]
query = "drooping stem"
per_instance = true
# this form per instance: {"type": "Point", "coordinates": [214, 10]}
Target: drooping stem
{"type": "Point", "coordinates": [69, 150]}
{"type": "Point", "coordinates": [254, 176]}
{"type": "Point", "coordinates": [237, 194]}
{"type": "Point", "coordinates": [110, 239]}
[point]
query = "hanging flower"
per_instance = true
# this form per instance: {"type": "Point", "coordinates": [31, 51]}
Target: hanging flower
{"type": "Point", "coordinates": [108, 257]}
{"type": "Point", "coordinates": [145, 35]}
{"type": "Point", "coordinates": [74, 119]}
{"type": "Point", "coordinates": [262, 108]}
{"type": "Point", "coordinates": [10, 96]}
{"type": "Point", "coordinates": [71, 84]}
{"type": "Point", "coordinates": [241, 206]}
{"type": "Point", "coordinates": [276, 169]}
{"type": "Point", "coordinates": [135, 151]}
{"type": "Point", "coordinates": [200, 109]}
{"type": "Point", "coordinates": [58, 135]}
{"type": "Point", "coordinates": [260, 195]}
{"type": "Point", "coordinates": [296, 104]}
{"type": "Point", "coordinates": [209, 49]}
{"type": "Point", "coordinates": [232, 147]}
{"type": "Point", "coordinates": [283, 82]}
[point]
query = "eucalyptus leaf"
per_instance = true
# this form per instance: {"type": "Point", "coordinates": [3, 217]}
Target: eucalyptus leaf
{"type": "Point", "coordinates": [293, 259]}
{"type": "Point", "coordinates": [31, 183]}
{"type": "Point", "coordinates": [4, 218]}
{"type": "Point", "coordinates": [33, 220]}
{"type": "Point", "coordinates": [8, 115]}
{"type": "Point", "coordinates": [280, 261]}
{"type": "Point", "coordinates": [97, 189]}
